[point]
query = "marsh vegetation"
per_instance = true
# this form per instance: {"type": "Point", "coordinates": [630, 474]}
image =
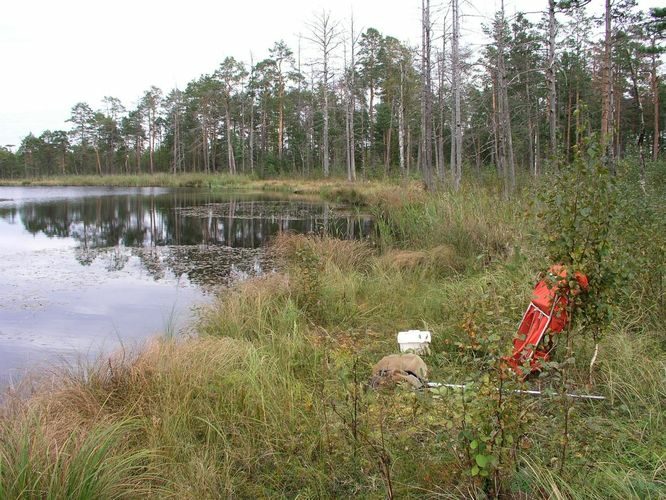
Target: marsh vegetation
{"type": "Point", "coordinates": [270, 399]}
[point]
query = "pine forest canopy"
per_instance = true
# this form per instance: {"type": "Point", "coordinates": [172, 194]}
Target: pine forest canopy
{"type": "Point", "coordinates": [367, 101]}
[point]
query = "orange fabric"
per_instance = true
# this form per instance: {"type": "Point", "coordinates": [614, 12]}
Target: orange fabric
{"type": "Point", "coordinates": [547, 313]}
{"type": "Point", "coordinates": [531, 331]}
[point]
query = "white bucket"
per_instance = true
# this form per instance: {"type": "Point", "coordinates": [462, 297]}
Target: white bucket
{"type": "Point", "coordinates": [417, 341]}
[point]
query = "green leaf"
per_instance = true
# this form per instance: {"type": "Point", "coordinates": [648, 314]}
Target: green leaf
{"type": "Point", "coordinates": [475, 470]}
{"type": "Point", "coordinates": [474, 444]}
{"type": "Point", "coordinates": [482, 460]}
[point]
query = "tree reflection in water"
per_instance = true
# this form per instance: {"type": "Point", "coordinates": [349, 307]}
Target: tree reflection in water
{"type": "Point", "coordinates": [213, 239]}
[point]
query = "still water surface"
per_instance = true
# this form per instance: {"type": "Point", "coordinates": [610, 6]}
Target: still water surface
{"type": "Point", "coordinates": [86, 270]}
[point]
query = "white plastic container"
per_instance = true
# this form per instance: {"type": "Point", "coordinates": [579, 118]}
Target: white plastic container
{"type": "Point", "coordinates": [417, 341]}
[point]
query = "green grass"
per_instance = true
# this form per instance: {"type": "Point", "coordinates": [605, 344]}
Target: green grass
{"type": "Point", "coordinates": [270, 401]}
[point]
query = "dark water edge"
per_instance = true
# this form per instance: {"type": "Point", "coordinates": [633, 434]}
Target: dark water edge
{"type": "Point", "coordinates": [86, 271]}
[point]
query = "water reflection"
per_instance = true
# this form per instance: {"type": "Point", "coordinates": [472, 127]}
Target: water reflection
{"type": "Point", "coordinates": [182, 218]}
{"type": "Point", "coordinates": [116, 226]}
{"type": "Point", "coordinates": [85, 270]}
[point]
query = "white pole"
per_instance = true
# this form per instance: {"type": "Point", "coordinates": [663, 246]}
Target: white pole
{"type": "Point", "coordinates": [435, 385]}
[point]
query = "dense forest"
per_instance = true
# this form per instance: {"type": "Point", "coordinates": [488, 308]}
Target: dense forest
{"type": "Point", "coordinates": [371, 105]}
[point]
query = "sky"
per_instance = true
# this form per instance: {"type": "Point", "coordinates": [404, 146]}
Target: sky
{"type": "Point", "coordinates": [57, 53]}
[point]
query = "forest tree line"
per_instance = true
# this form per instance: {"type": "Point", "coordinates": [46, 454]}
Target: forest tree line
{"type": "Point", "coordinates": [367, 104]}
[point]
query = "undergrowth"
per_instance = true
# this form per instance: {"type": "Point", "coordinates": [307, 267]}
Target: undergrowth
{"type": "Point", "coordinates": [271, 399]}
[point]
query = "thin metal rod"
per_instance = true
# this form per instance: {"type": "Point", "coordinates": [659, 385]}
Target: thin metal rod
{"type": "Point", "coordinates": [435, 385]}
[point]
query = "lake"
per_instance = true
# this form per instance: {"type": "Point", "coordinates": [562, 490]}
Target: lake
{"type": "Point", "coordinates": [86, 270]}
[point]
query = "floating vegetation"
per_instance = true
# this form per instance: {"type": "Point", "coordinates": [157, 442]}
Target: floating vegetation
{"type": "Point", "coordinates": [208, 266]}
{"type": "Point", "coordinates": [264, 210]}
{"type": "Point", "coordinates": [218, 265]}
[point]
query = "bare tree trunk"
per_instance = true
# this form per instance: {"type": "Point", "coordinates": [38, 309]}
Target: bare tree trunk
{"type": "Point", "coordinates": [299, 110]}
{"type": "Point", "coordinates": [347, 102]}
{"type": "Point", "coordinates": [99, 164]}
{"type": "Point", "coordinates": [567, 145]}
{"type": "Point", "coordinates": [401, 121]}
{"type": "Point", "coordinates": [137, 151]}
{"type": "Point", "coordinates": [439, 144]}
{"type": "Point", "coordinates": [324, 33]}
{"type": "Point", "coordinates": [364, 156]}
{"type": "Point", "coordinates": [371, 127]}
{"type": "Point", "coordinates": [499, 164]}
{"type": "Point", "coordinates": [439, 139]}
{"type": "Point", "coordinates": [506, 143]}
{"type": "Point", "coordinates": [387, 155]}
{"type": "Point", "coordinates": [264, 131]}
{"type": "Point", "coordinates": [617, 130]}
{"type": "Point", "coordinates": [213, 148]}
{"type": "Point", "coordinates": [408, 159]}
{"type": "Point", "coordinates": [477, 156]}
{"type": "Point", "coordinates": [456, 125]}
{"type": "Point", "coordinates": [178, 159]}
{"type": "Point", "coordinates": [577, 126]}
{"type": "Point", "coordinates": [655, 100]}
{"type": "Point", "coordinates": [230, 145]}
{"type": "Point", "coordinates": [325, 152]}
{"type": "Point", "coordinates": [530, 134]}
{"type": "Point", "coordinates": [606, 135]}
{"type": "Point", "coordinates": [243, 127]}
{"type": "Point", "coordinates": [251, 139]}
{"type": "Point", "coordinates": [641, 116]}
{"type": "Point", "coordinates": [351, 107]}
{"type": "Point", "coordinates": [426, 98]}
{"type": "Point", "coordinates": [280, 121]}
{"type": "Point", "coordinates": [531, 130]}
{"type": "Point", "coordinates": [537, 146]}
{"type": "Point", "coordinates": [552, 84]}
{"type": "Point", "coordinates": [151, 132]}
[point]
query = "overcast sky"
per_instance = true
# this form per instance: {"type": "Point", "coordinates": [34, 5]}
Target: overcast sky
{"type": "Point", "coordinates": [56, 53]}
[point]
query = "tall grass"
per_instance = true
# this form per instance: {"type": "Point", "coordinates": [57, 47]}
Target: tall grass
{"type": "Point", "coordinates": [269, 401]}
{"type": "Point", "coordinates": [473, 222]}
{"type": "Point", "coordinates": [94, 462]}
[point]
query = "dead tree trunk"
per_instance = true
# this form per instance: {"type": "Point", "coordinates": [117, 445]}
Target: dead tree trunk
{"type": "Point", "coordinates": [552, 84]}
{"type": "Point", "coordinates": [426, 101]}
{"type": "Point", "coordinates": [351, 107]}
{"type": "Point", "coordinates": [324, 34]}
{"type": "Point", "coordinates": [606, 134]}
{"type": "Point", "coordinates": [230, 145]}
{"type": "Point", "coordinates": [401, 121]}
{"type": "Point", "coordinates": [655, 103]}
{"type": "Point", "coordinates": [456, 125]}
{"type": "Point", "coordinates": [641, 120]}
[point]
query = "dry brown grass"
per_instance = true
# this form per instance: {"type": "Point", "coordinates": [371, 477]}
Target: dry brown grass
{"type": "Point", "coordinates": [398, 196]}
{"type": "Point", "coordinates": [347, 255]}
{"type": "Point", "coordinates": [120, 384]}
{"type": "Point", "coordinates": [442, 259]}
